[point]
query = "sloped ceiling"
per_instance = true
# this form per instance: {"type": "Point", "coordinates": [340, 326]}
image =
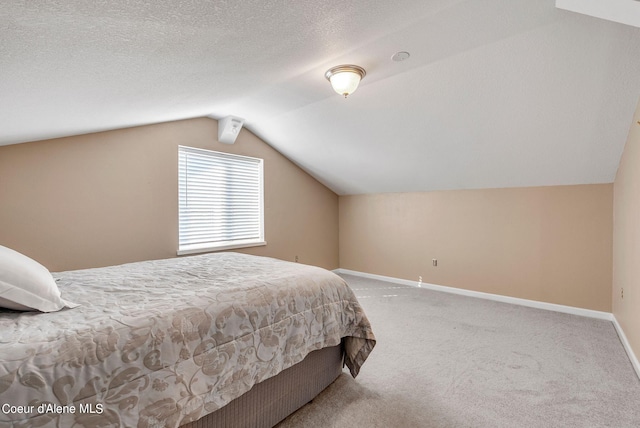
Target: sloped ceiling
{"type": "Point", "coordinates": [496, 93]}
{"type": "Point", "coordinates": [623, 11]}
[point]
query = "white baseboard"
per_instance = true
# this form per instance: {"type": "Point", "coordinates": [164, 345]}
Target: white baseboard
{"type": "Point", "coordinates": [513, 300]}
{"type": "Point", "coordinates": [627, 346]}
{"type": "Point", "coordinates": [497, 297]}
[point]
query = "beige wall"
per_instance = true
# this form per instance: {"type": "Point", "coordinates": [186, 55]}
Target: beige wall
{"type": "Point", "coordinates": [626, 238]}
{"type": "Point", "coordinates": [550, 244]}
{"type": "Point", "coordinates": [111, 197]}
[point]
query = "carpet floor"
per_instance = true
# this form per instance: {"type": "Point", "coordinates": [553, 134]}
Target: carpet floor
{"type": "Point", "coordinates": [445, 360]}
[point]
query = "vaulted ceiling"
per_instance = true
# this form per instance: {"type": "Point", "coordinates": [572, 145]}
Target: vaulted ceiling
{"type": "Point", "coordinates": [496, 93]}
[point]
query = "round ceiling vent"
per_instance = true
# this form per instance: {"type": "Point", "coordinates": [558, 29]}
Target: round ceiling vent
{"type": "Point", "coordinates": [400, 56]}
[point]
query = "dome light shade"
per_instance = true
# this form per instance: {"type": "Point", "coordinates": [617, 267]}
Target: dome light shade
{"type": "Point", "coordinates": [345, 78]}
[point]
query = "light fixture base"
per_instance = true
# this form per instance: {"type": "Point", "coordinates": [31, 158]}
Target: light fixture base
{"type": "Point", "coordinates": [345, 68]}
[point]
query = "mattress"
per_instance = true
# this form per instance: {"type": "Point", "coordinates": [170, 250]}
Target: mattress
{"type": "Point", "coordinates": [165, 342]}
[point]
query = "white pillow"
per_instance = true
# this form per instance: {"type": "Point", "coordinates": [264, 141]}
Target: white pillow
{"type": "Point", "coordinates": [26, 285]}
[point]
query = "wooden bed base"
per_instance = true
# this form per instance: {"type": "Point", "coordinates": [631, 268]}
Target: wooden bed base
{"type": "Point", "coordinates": [269, 402]}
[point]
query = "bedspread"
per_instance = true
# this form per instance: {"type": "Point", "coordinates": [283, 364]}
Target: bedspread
{"type": "Point", "coordinates": [162, 343]}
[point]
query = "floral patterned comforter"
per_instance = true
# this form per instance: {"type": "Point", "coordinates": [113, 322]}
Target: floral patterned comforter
{"type": "Point", "coordinates": [162, 343]}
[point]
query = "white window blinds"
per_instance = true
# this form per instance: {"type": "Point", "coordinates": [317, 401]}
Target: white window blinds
{"type": "Point", "coordinates": [220, 200]}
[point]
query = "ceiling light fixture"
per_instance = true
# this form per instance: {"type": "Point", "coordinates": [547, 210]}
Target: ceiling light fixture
{"type": "Point", "coordinates": [345, 78]}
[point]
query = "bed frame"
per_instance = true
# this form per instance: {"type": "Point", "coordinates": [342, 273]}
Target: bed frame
{"type": "Point", "coordinates": [272, 400]}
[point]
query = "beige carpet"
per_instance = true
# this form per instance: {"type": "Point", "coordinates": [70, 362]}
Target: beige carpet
{"type": "Point", "coordinates": [445, 360]}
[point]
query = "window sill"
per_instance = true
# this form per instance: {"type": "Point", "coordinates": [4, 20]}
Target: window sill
{"type": "Point", "coordinates": [220, 247]}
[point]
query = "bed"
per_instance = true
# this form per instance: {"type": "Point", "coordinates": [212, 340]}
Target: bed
{"type": "Point", "coordinates": [180, 342]}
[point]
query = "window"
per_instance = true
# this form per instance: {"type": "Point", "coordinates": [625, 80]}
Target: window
{"type": "Point", "coordinates": [220, 201]}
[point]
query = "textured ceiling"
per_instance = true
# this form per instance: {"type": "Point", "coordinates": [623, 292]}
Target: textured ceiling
{"type": "Point", "coordinates": [496, 93]}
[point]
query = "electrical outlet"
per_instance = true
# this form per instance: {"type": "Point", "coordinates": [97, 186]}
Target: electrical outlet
{"type": "Point", "coordinates": [434, 262]}
{"type": "Point", "coordinates": [296, 259]}
{"type": "Point", "coordinates": [622, 293]}
{"type": "Point", "coordinates": [419, 281]}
